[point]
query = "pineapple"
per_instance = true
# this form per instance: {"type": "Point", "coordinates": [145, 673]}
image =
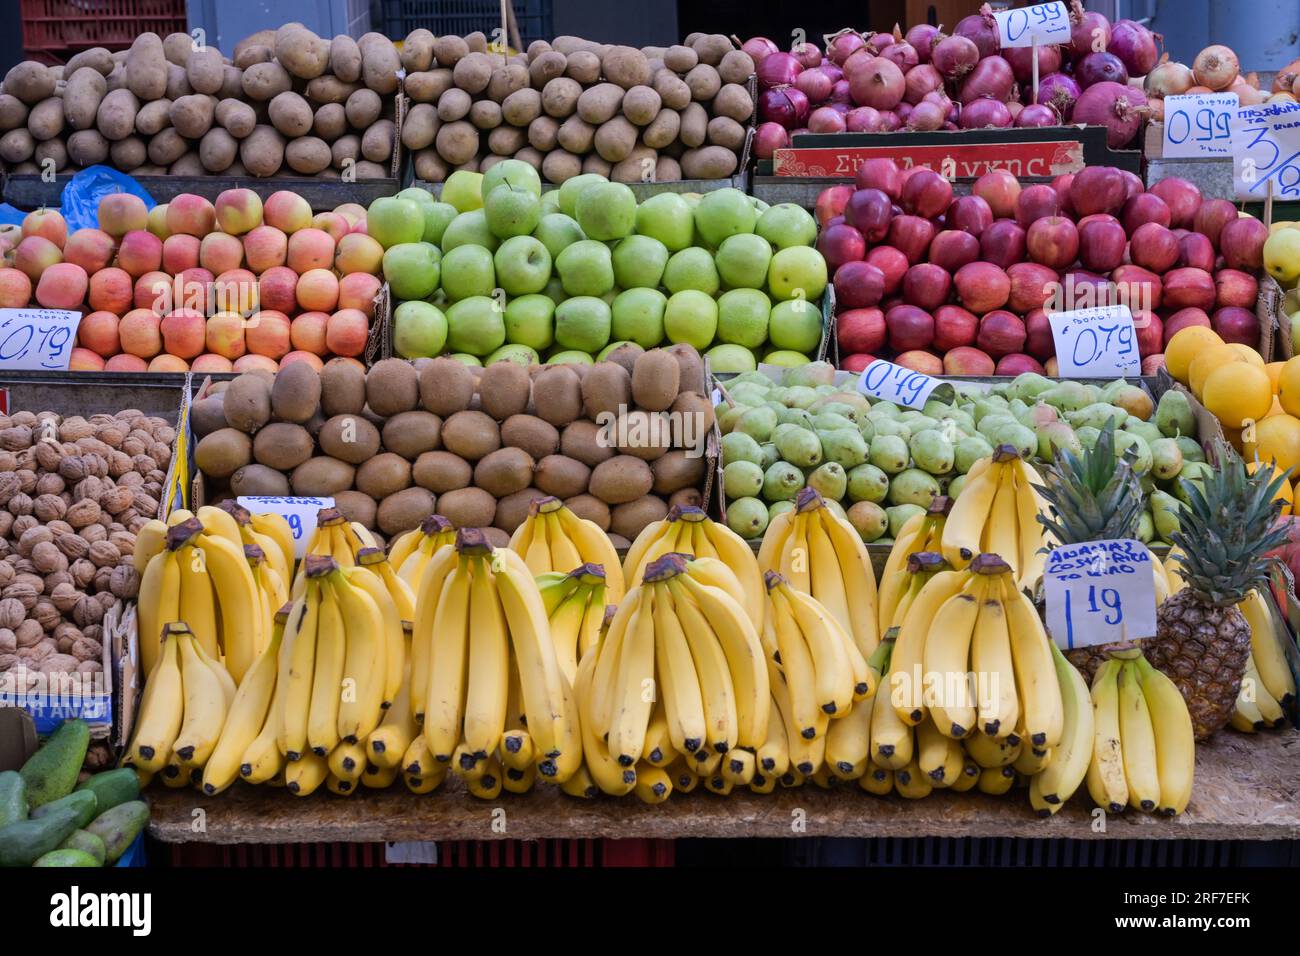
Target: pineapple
{"type": "Point", "coordinates": [1202, 640]}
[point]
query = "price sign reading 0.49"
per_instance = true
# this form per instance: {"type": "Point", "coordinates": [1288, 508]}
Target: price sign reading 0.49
{"type": "Point", "coordinates": [1266, 151]}
{"type": "Point", "coordinates": [893, 383]}
{"type": "Point", "coordinates": [1100, 592]}
{"type": "Point", "coordinates": [1199, 125]}
{"type": "Point", "coordinates": [1045, 23]}
{"type": "Point", "coordinates": [300, 513]}
{"type": "Point", "coordinates": [1096, 343]}
{"type": "Point", "coordinates": [35, 339]}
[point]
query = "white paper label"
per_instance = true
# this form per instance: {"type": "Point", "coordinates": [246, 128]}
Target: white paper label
{"type": "Point", "coordinates": [411, 851]}
{"type": "Point", "coordinates": [1100, 592]}
{"type": "Point", "coordinates": [300, 513]}
{"type": "Point", "coordinates": [1044, 22]}
{"type": "Point", "coordinates": [896, 384]}
{"type": "Point", "coordinates": [1199, 125]}
{"type": "Point", "coordinates": [1096, 343]}
{"type": "Point", "coordinates": [36, 339]}
{"type": "Point", "coordinates": [1266, 149]}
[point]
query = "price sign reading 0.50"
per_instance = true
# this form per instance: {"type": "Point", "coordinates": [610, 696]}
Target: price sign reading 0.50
{"type": "Point", "coordinates": [893, 383]}
{"type": "Point", "coordinates": [1044, 23]}
{"type": "Point", "coordinates": [1199, 125]}
{"type": "Point", "coordinates": [37, 339]}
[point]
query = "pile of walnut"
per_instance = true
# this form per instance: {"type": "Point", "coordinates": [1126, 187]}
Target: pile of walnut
{"type": "Point", "coordinates": [73, 494]}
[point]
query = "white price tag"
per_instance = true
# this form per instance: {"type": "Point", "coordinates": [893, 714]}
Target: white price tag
{"type": "Point", "coordinates": [1096, 343]}
{"type": "Point", "coordinates": [36, 339]}
{"type": "Point", "coordinates": [1266, 148]}
{"type": "Point", "coordinates": [896, 384]}
{"type": "Point", "coordinates": [299, 512]}
{"type": "Point", "coordinates": [1100, 592]}
{"type": "Point", "coordinates": [1199, 125]}
{"type": "Point", "coordinates": [1045, 22]}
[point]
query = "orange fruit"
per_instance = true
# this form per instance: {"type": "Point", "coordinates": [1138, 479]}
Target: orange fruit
{"type": "Point", "coordinates": [1206, 361]}
{"type": "Point", "coordinates": [1276, 439]}
{"type": "Point", "coordinates": [1288, 386]}
{"type": "Point", "coordinates": [1277, 408]}
{"type": "Point", "coordinates": [1186, 345]}
{"type": "Point", "coordinates": [1237, 393]}
{"type": "Point", "coordinates": [1274, 370]}
{"type": "Point", "coordinates": [1250, 355]}
{"type": "Point", "coordinates": [1285, 493]}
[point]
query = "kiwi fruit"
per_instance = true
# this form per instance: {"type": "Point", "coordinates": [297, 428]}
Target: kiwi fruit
{"type": "Point", "coordinates": [591, 508]}
{"type": "Point", "coordinates": [223, 452]}
{"type": "Point", "coordinates": [207, 415]}
{"type": "Point", "coordinates": [586, 441]}
{"type": "Point", "coordinates": [619, 542]}
{"type": "Point", "coordinates": [621, 479]}
{"type": "Point", "coordinates": [259, 480]}
{"type": "Point", "coordinates": [647, 435]}
{"type": "Point", "coordinates": [625, 355]}
{"type": "Point", "coordinates": [247, 402]}
{"type": "Point", "coordinates": [283, 446]}
{"type": "Point", "coordinates": [446, 387]}
{"type": "Point", "coordinates": [322, 476]}
{"type": "Point", "coordinates": [698, 410]}
{"type": "Point", "coordinates": [411, 434]}
{"type": "Point", "coordinates": [629, 519]}
{"type": "Point", "coordinates": [295, 395]}
{"type": "Point", "coordinates": [392, 387]}
{"type": "Point", "coordinates": [562, 477]}
{"type": "Point", "coordinates": [314, 424]}
{"type": "Point", "coordinates": [607, 387]}
{"type": "Point", "coordinates": [441, 471]}
{"type": "Point", "coordinates": [350, 438]}
{"type": "Point", "coordinates": [513, 509]}
{"type": "Point", "coordinates": [690, 368]}
{"type": "Point", "coordinates": [504, 471]}
{"type": "Point", "coordinates": [686, 498]}
{"type": "Point", "coordinates": [356, 506]}
{"type": "Point", "coordinates": [655, 378]}
{"type": "Point", "coordinates": [404, 510]}
{"type": "Point", "coordinates": [530, 433]}
{"type": "Point", "coordinates": [678, 469]}
{"type": "Point", "coordinates": [504, 390]}
{"type": "Point", "coordinates": [342, 388]}
{"type": "Point", "coordinates": [468, 507]}
{"type": "Point", "coordinates": [471, 435]}
{"type": "Point", "coordinates": [383, 475]}
{"type": "Point", "coordinates": [557, 395]}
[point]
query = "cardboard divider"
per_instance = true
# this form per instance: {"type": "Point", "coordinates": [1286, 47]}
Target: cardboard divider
{"type": "Point", "coordinates": [1273, 320]}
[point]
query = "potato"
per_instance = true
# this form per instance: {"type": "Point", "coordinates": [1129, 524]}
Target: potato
{"type": "Point", "coordinates": [97, 58]}
{"type": "Point", "coordinates": [458, 142]}
{"type": "Point", "coordinates": [265, 81]}
{"type": "Point", "coordinates": [453, 105]}
{"type": "Point", "coordinates": [257, 53]}
{"type": "Point", "coordinates": [191, 116]}
{"type": "Point", "coordinates": [417, 51]}
{"type": "Point", "coordinates": [736, 66]}
{"type": "Point", "coordinates": [45, 121]}
{"type": "Point", "coordinates": [711, 162]}
{"type": "Point", "coordinates": [117, 79]}
{"type": "Point", "coordinates": [217, 150]}
{"type": "Point", "coordinates": [330, 89]}
{"type": "Point", "coordinates": [430, 167]}
{"type": "Point", "coordinates": [178, 48]}
{"type": "Point", "coordinates": [420, 126]}
{"type": "Point", "coordinates": [301, 52]}
{"type": "Point", "coordinates": [477, 42]}
{"type": "Point", "coordinates": [377, 141]}
{"type": "Point", "coordinates": [704, 83]}
{"type": "Point", "coordinates": [486, 114]}
{"type": "Point", "coordinates": [487, 162]}
{"type": "Point", "coordinates": [695, 125]}
{"type": "Point", "coordinates": [576, 135]}
{"type": "Point", "coordinates": [600, 103]}
{"type": "Point", "coordinates": [262, 151]}
{"type": "Point", "coordinates": [365, 169]}
{"type": "Point", "coordinates": [290, 114]}
{"type": "Point", "coordinates": [330, 122]}
{"type": "Point", "coordinates": [507, 140]}
{"type": "Point", "coordinates": [166, 147]}
{"type": "Point", "coordinates": [568, 44]}
{"type": "Point", "coordinates": [379, 63]}
{"type": "Point", "coordinates": [536, 49]}
{"type": "Point", "coordinates": [638, 167]}
{"type": "Point", "coordinates": [13, 112]}
{"type": "Point", "coordinates": [546, 67]}
{"type": "Point", "coordinates": [189, 164]}
{"type": "Point", "coordinates": [363, 108]}
{"type": "Point", "coordinates": [712, 48]}
{"type": "Point", "coordinates": [427, 87]}
{"type": "Point", "coordinates": [237, 117]}
{"type": "Point", "coordinates": [530, 156]}
{"type": "Point", "coordinates": [307, 155]}
{"type": "Point", "coordinates": [85, 147]}
{"type": "Point", "coordinates": [81, 97]}
{"type": "Point", "coordinates": [345, 58]}
{"type": "Point", "coordinates": [146, 68]}
{"type": "Point", "coordinates": [17, 145]}
{"type": "Point", "coordinates": [52, 151]}
{"type": "Point", "coordinates": [522, 107]}
{"type": "Point", "coordinates": [663, 129]}
{"type": "Point", "coordinates": [626, 67]}
{"type": "Point", "coordinates": [345, 151]}
{"type": "Point", "coordinates": [672, 89]}
{"type": "Point", "coordinates": [725, 131]}
{"type": "Point", "coordinates": [506, 80]}
{"type": "Point", "coordinates": [542, 132]}
{"type": "Point", "coordinates": [472, 166]}
{"type": "Point", "coordinates": [560, 97]}
{"type": "Point", "coordinates": [615, 139]}
{"type": "Point", "coordinates": [473, 72]}
{"type": "Point", "coordinates": [115, 117]}
{"type": "Point", "coordinates": [153, 117]}
{"type": "Point", "coordinates": [128, 153]}
{"type": "Point", "coordinates": [178, 84]}
{"type": "Point", "coordinates": [232, 83]}
{"type": "Point", "coordinates": [449, 50]}
{"type": "Point", "coordinates": [734, 101]}
{"type": "Point", "coordinates": [31, 82]}
{"type": "Point", "coordinates": [205, 70]}
{"type": "Point", "coordinates": [641, 105]}
{"type": "Point", "coordinates": [560, 165]}
{"type": "Point", "coordinates": [680, 59]}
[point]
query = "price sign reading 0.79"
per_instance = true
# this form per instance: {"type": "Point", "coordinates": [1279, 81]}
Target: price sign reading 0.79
{"type": "Point", "coordinates": [37, 339]}
{"type": "Point", "coordinates": [1045, 23]}
{"type": "Point", "coordinates": [1096, 343]}
{"type": "Point", "coordinates": [1199, 125]}
{"type": "Point", "coordinates": [893, 383]}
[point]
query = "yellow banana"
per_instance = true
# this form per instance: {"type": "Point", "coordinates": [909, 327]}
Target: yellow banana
{"type": "Point", "coordinates": [162, 710]}
{"type": "Point", "coordinates": [939, 756]}
{"type": "Point", "coordinates": [907, 685]}
{"type": "Point", "coordinates": [636, 689]}
{"type": "Point", "coordinates": [327, 681]}
{"type": "Point", "coordinates": [564, 554]}
{"type": "Point", "coordinates": [429, 593]}
{"type": "Point", "coordinates": [774, 754]}
{"type": "Point", "coordinates": [379, 778]}
{"type": "Point", "coordinates": [593, 546]}
{"type": "Point", "coordinates": [394, 634]}
{"type": "Point", "coordinates": [566, 624]}
{"type": "Point", "coordinates": [347, 762]}
{"type": "Point", "coordinates": [149, 540]}
{"type": "Point", "coordinates": [487, 678]}
{"type": "Point", "coordinates": [219, 523]}
{"type": "Point", "coordinates": [1032, 533]}
{"type": "Point", "coordinates": [678, 685]}
{"type": "Point", "coordinates": [205, 704]}
{"type": "Point", "coordinates": [991, 663]}
{"type": "Point", "coordinates": [303, 777]}
{"type": "Point", "coordinates": [848, 742]}
{"type": "Point", "coordinates": [298, 675]}
{"type": "Point", "coordinates": [947, 659]}
{"type": "Point", "coordinates": [653, 784]}
{"type": "Point", "coordinates": [659, 749]}
{"type": "Point", "coordinates": [399, 591]}
{"type": "Point", "coordinates": [717, 693]}
{"type": "Point", "coordinates": [910, 781]}
{"type": "Point", "coordinates": [444, 707]}
{"type": "Point", "coordinates": [275, 527]}
{"type": "Point", "coordinates": [877, 780]}
{"type": "Point", "coordinates": [797, 666]}
{"type": "Point", "coordinates": [1266, 647]}
{"type": "Point", "coordinates": [997, 780]}
{"type": "Point", "coordinates": [365, 665]}
{"type": "Point", "coordinates": [518, 780]}
{"type": "Point", "coordinates": [794, 556]}
{"type": "Point", "coordinates": [1040, 694]}
{"type": "Point", "coordinates": [158, 604]}
{"type": "Point", "coordinates": [891, 739]}
{"type": "Point", "coordinates": [1175, 740]}
{"type": "Point", "coordinates": [1106, 781]}
{"type": "Point", "coordinates": [243, 627]}
{"type": "Point", "coordinates": [1049, 790]}
{"type": "Point", "coordinates": [247, 717]}
{"type": "Point", "coordinates": [388, 741]}
{"type": "Point", "coordinates": [989, 751]}
{"type": "Point", "coordinates": [1000, 536]}
{"type": "Point", "coordinates": [1139, 741]}
{"type": "Point", "coordinates": [734, 552]}
{"type": "Point", "coordinates": [604, 770]}
{"type": "Point", "coordinates": [859, 580]}
{"type": "Point", "coordinates": [964, 529]}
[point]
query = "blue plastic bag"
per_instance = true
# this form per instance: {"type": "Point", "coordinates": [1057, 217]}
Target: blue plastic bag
{"type": "Point", "coordinates": [84, 191]}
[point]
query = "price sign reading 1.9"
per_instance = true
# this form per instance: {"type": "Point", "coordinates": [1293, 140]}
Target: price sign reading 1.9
{"type": "Point", "coordinates": [1266, 151]}
{"type": "Point", "coordinates": [1100, 592]}
{"type": "Point", "coordinates": [1044, 23]}
{"type": "Point", "coordinates": [1199, 125]}
{"type": "Point", "coordinates": [893, 383]}
{"type": "Point", "coordinates": [36, 339]}
{"type": "Point", "coordinates": [1096, 343]}
{"type": "Point", "coordinates": [300, 513]}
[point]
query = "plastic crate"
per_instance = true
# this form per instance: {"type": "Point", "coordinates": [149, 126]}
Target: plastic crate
{"type": "Point", "coordinates": [55, 30]}
{"type": "Point", "coordinates": [462, 17]}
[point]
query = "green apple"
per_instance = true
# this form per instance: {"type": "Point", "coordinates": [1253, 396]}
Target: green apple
{"type": "Point", "coordinates": [691, 268]}
{"type": "Point", "coordinates": [786, 358]}
{"type": "Point", "coordinates": [639, 262]}
{"type": "Point", "coordinates": [550, 202]}
{"type": "Point", "coordinates": [516, 172]}
{"type": "Point", "coordinates": [464, 190]}
{"type": "Point", "coordinates": [556, 231]}
{"type": "Point", "coordinates": [437, 216]}
{"type": "Point", "coordinates": [419, 330]}
{"type": "Point", "coordinates": [466, 359]}
{"type": "Point", "coordinates": [606, 211]}
{"type": "Point", "coordinates": [511, 352]}
{"type": "Point", "coordinates": [731, 358]}
{"type": "Point", "coordinates": [666, 217]}
{"type": "Point", "coordinates": [468, 271]}
{"type": "Point", "coordinates": [796, 326]}
{"type": "Point", "coordinates": [530, 320]}
{"type": "Point", "coordinates": [469, 229]}
{"type": "Point", "coordinates": [639, 316]}
{"type": "Point", "coordinates": [417, 194]}
{"type": "Point", "coordinates": [522, 265]}
{"type": "Point", "coordinates": [571, 188]}
{"type": "Point", "coordinates": [723, 213]}
{"type": "Point", "coordinates": [582, 323]}
{"type": "Point", "coordinates": [797, 272]}
{"type": "Point", "coordinates": [586, 268]}
{"type": "Point", "coordinates": [475, 325]}
{"type": "Point", "coordinates": [512, 210]}
{"type": "Point", "coordinates": [691, 316]}
{"type": "Point", "coordinates": [570, 357]}
{"type": "Point", "coordinates": [742, 317]}
{"type": "Point", "coordinates": [787, 224]}
{"type": "Point", "coordinates": [604, 353]}
{"type": "Point", "coordinates": [391, 221]}
{"type": "Point", "coordinates": [411, 269]}
{"type": "Point", "coordinates": [742, 261]}
{"type": "Point", "coordinates": [555, 289]}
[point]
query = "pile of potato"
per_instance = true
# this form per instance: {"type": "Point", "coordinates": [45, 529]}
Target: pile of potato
{"type": "Point", "coordinates": [288, 102]}
{"type": "Point", "coordinates": [476, 445]}
{"type": "Point", "coordinates": [573, 106]}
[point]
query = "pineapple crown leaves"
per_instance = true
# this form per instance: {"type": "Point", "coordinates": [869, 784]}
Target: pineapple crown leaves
{"type": "Point", "coordinates": [1093, 495]}
{"type": "Point", "coordinates": [1227, 527]}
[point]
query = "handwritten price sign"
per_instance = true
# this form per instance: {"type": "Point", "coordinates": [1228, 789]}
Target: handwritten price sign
{"type": "Point", "coordinates": [1096, 343]}
{"type": "Point", "coordinates": [299, 512]}
{"type": "Point", "coordinates": [1100, 592]}
{"type": "Point", "coordinates": [896, 384]}
{"type": "Point", "coordinates": [1199, 125]}
{"type": "Point", "coordinates": [1042, 23]}
{"type": "Point", "coordinates": [1266, 149]}
{"type": "Point", "coordinates": [34, 340]}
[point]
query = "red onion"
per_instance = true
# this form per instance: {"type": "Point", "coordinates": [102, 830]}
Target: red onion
{"type": "Point", "coordinates": [832, 70]}
{"type": "Point", "coordinates": [808, 54]}
{"type": "Point", "coordinates": [784, 105]}
{"type": "Point", "coordinates": [841, 93]}
{"type": "Point", "coordinates": [902, 55]}
{"type": "Point", "coordinates": [777, 69]}
{"type": "Point", "coordinates": [878, 84]}
{"type": "Point", "coordinates": [1168, 79]}
{"type": "Point", "coordinates": [954, 57]}
{"type": "Point", "coordinates": [877, 42]}
{"type": "Point", "coordinates": [1135, 45]}
{"type": "Point", "coordinates": [863, 119]}
{"type": "Point", "coordinates": [1014, 107]}
{"type": "Point", "coordinates": [1036, 114]}
{"type": "Point", "coordinates": [984, 112]}
{"type": "Point", "coordinates": [890, 121]}
{"type": "Point", "coordinates": [843, 45]}
{"type": "Point", "coordinates": [1115, 106]}
{"type": "Point", "coordinates": [814, 84]}
{"type": "Point", "coordinates": [1098, 68]}
{"type": "Point", "coordinates": [1133, 184]}
{"type": "Point", "coordinates": [903, 110]}
{"type": "Point", "coordinates": [758, 48]}
{"type": "Point", "coordinates": [981, 29]}
{"type": "Point", "coordinates": [841, 108]}
{"type": "Point", "coordinates": [1060, 92]}
{"type": "Point", "coordinates": [1091, 32]}
{"type": "Point", "coordinates": [826, 119]}
{"type": "Point", "coordinates": [923, 37]}
{"type": "Point", "coordinates": [991, 78]}
{"type": "Point", "coordinates": [1021, 59]}
{"type": "Point", "coordinates": [768, 138]}
{"type": "Point", "coordinates": [1216, 67]}
{"type": "Point", "coordinates": [926, 116]}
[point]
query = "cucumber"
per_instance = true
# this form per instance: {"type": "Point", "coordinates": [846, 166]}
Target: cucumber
{"type": "Point", "coordinates": [13, 798]}
{"type": "Point", "coordinates": [83, 801]}
{"type": "Point", "coordinates": [87, 843]}
{"type": "Point", "coordinates": [119, 826]}
{"type": "Point", "coordinates": [67, 858]}
{"type": "Point", "coordinates": [113, 787]}
{"type": "Point", "coordinates": [52, 771]}
{"type": "Point", "coordinates": [24, 842]}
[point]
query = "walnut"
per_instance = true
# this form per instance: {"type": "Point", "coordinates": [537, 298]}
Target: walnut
{"type": "Point", "coordinates": [20, 504]}
{"type": "Point", "coordinates": [21, 524]}
{"type": "Point", "coordinates": [58, 526]}
{"type": "Point", "coordinates": [48, 558]}
{"type": "Point", "coordinates": [88, 487]}
{"type": "Point", "coordinates": [106, 600]}
{"type": "Point", "coordinates": [48, 484]}
{"type": "Point", "coordinates": [73, 545]}
{"type": "Point", "coordinates": [136, 523]}
{"type": "Point", "coordinates": [125, 519]}
{"type": "Point", "coordinates": [9, 662]}
{"type": "Point", "coordinates": [132, 479]}
{"type": "Point", "coordinates": [73, 468]}
{"type": "Point", "coordinates": [119, 464]}
{"type": "Point", "coordinates": [87, 611]}
{"type": "Point", "coordinates": [6, 523]}
{"type": "Point", "coordinates": [12, 613]}
{"type": "Point", "coordinates": [95, 632]}
{"type": "Point", "coordinates": [164, 433]}
{"type": "Point", "coordinates": [48, 456]}
{"type": "Point", "coordinates": [46, 614]}
{"type": "Point", "coordinates": [103, 579]}
{"type": "Point", "coordinates": [66, 629]}
{"type": "Point", "coordinates": [83, 572]}
{"type": "Point", "coordinates": [8, 461]}
{"type": "Point", "coordinates": [144, 504]}
{"type": "Point", "coordinates": [16, 438]}
{"type": "Point", "coordinates": [83, 513]}
{"type": "Point", "coordinates": [74, 428]}
{"type": "Point", "coordinates": [9, 486]}
{"type": "Point", "coordinates": [57, 663]}
{"type": "Point", "coordinates": [132, 445]}
{"type": "Point", "coordinates": [125, 582]}
{"type": "Point", "coordinates": [115, 500]}
{"type": "Point", "coordinates": [32, 580]}
{"type": "Point", "coordinates": [41, 650]}
{"type": "Point", "coordinates": [49, 507]}
{"type": "Point", "coordinates": [52, 581]}
{"type": "Point", "coordinates": [64, 597]}
{"type": "Point", "coordinates": [8, 640]}
{"type": "Point", "coordinates": [111, 435]}
{"type": "Point", "coordinates": [64, 644]}
{"type": "Point", "coordinates": [23, 593]}
{"type": "Point", "coordinates": [142, 434]}
{"type": "Point", "coordinates": [94, 532]}
{"type": "Point", "coordinates": [26, 480]}
{"type": "Point", "coordinates": [31, 538]}
{"type": "Point", "coordinates": [143, 463]}
{"type": "Point", "coordinates": [161, 454]}
{"type": "Point", "coordinates": [123, 540]}
{"type": "Point", "coordinates": [29, 634]}
{"type": "Point", "coordinates": [90, 667]}
{"type": "Point", "coordinates": [93, 446]}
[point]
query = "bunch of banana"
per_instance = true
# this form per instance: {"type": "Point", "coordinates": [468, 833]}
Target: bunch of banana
{"type": "Point", "coordinates": [921, 533]}
{"type": "Point", "coordinates": [1069, 762]}
{"type": "Point", "coordinates": [575, 607]}
{"type": "Point", "coordinates": [270, 586]}
{"type": "Point", "coordinates": [335, 537]}
{"type": "Point", "coordinates": [688, 530]}
{"type": "Point", "coordinates": [553, 538]}
{"type": "Point", "coordinates": [821, 554]}
{"type": "Point", "coordinates": [483, 625]}
{"type": "Point", "coordinates": [907, 583]}
{"type": "Point", "coordinates": [411, 551]}
{"type": "Point", "coordinates": [997, 513]}
{"type": "Point", "coordinates": [1268, 688]}
{"type": "Point", "coordinates": [276, 541]}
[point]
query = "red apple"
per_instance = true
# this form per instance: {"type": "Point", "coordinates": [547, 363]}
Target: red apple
{"type": "Point", "coordinates": [831, 202]}
{"type": "Point", "coordinates": [919, 360]}
{"type": "Point", "coordinates": [926, 286]}
{"type": "Point", "coordinates": [861, 330]}
{"type": "Point", "coordinates": [965, 360]}
{"type": "Point", "coordinates": [954, 248]}
{"type": "Point", "coordinates": [912, 236]}
{"type": "Point", "coordinates": [891, 263]}
{"type": "Point", "coordinates": [1001, 333]}
{"type": "Point", "coordinates": [839, 244]}
{"type": "Point", "coordinates": [954, 327]}
{"type": "Point", "coordinates": [859, 285]}
{"type": "Point", "coordinates": [1236, 325]}
{"type": "Point", "coordinates": [982, 287]}
{"type": "Point", "coordinates": [909, 328]}
{"type": "Point", "coordinates": [1003, 243]}
{"type": "Point", "coordinates": [1181, 319]}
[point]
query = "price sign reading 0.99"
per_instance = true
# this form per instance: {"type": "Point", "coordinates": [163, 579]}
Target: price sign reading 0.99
{"type": "Point", "coordinates": [300, 513]}
{"type": "Point", "coordinates": [1266, 151]}
{"type": "Point", "coordinates": [1199, 125]}
{"type": "Point", "coordinates": [893, 383]}
{"type": "Point", "coordinates": [1045, 23]}
{"type": "Point", "coordinates": [1096, 343]}
{"type": "Point", "coordinates": [1100, 592]}
{"type": "Point", "coordinates": [36, 340]}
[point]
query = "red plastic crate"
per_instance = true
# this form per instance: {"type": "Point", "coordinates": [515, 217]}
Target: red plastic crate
{"type": "Point", "coordinates": [54, 30]}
